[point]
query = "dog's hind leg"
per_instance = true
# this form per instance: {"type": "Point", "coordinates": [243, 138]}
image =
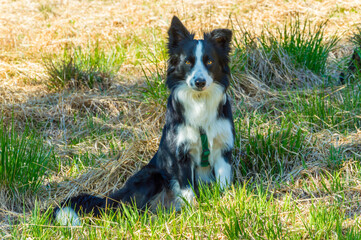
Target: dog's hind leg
{"type": "Point", "coordinates": [139, 190]}
{"type": "Point", "coordinates": [142, 188]}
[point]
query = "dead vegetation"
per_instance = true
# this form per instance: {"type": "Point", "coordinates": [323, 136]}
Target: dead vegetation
{"type": "Point", "coordinates": [120, 125]}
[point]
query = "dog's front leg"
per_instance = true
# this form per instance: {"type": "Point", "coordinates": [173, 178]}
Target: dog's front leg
{"type": "Point", "coordinates": [223, 170]}
{"type": "Point", "coordinates": [187, 181]}
{"type": "Point", "coordinates": [183, 186]}
{"type": "Point", "coordinates": [223, 155]}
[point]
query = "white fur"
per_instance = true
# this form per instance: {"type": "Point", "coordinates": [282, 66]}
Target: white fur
{"type": "Point", "coordinates": [67, 217]}
{"type": "Point", "coordinates": [219, 134]}
{"type": "Point", "coordinates": [220, 138]}
{"type": "Point", "coordinates": [204, 174]}
{"type": "Point", "coordinates": [181, 195]}
{"type": "Point", "coordinates": [188, 195]}
{"type": "Point", "coordinates": [201, 107]}
{"type": "Point", "coordinates": [187, 133]}
{"type": "Point", "coordinates": [223, 172]}
{"type": "Point", "coordinates": [199, 70]}
{"type": "Point", "coordinates": [201, 110]}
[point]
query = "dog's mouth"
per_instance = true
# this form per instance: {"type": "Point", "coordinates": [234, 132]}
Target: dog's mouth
{"type": "Point", "coordinates": [200, 89]}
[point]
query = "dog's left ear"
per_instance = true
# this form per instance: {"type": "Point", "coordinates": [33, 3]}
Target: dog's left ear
{"type": "Point", "coordinates": [221, 37]}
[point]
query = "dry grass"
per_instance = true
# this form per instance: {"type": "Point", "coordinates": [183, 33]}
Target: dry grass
{"type": "Point", "coordinates": [118, 126]}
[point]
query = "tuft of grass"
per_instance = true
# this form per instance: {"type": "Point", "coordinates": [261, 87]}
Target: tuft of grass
{"type": "Point", "coordinates": [355, 64]}
{"type": "Point", "coordinates": [335, 158]}
{"type": "Point", "coordinates": [271, 148]}
{"type": "Point", "coordinates": [23, 158]}
{"type": "Point", "coordinates": [248, 217]}
{"type": "Point", "coordinates": [89, 68]}
{"type": "Point", "coordinates": [353, 72]}
{"type": "Point", "coordinates": [293, 55]}
{"type": "Point", "coordinates": [306, 44]}
{"type": "Point", "coordinates": [325, 222]}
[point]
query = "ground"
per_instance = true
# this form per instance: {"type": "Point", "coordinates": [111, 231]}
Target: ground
{"type": "Point", "coordinates": [86, 78]}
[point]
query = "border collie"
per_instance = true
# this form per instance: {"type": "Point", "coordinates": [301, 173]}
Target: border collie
{"type": "Point", "coordinates": [197, 139]}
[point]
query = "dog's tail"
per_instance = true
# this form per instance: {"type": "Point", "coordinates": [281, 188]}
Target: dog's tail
{"type": "Point", "coordinates": [141, 189]}
{"type": "Point", "coordinates": [67, 212]}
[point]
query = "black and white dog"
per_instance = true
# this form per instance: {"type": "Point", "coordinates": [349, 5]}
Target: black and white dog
{"type": "Point", "coordinates": [197, 139]}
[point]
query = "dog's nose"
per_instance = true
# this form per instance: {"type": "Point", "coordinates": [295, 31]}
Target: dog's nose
{"type": "Point", "coordinates": [200, 83]}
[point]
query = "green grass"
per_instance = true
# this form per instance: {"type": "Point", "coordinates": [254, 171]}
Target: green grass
{"type": "Point", "coordinates": [356, 58]}
{"type": "Point", "coordinates": [356, 37]}
{"type": "Point", "coordinates": [242, 212]}
{"type": "Point", "coordinates": [282, 56]}
{"type": "Point", "coordinates": [353, 72]}
{"type": "Point", "coordinates": [155, 91]}
{"type": "Point", "coordinates": [84, 68]}
{"type": "Point", "coordinates": [337, 110]}
{"type": "Point", "coordinates": [23, 158]}
{"type": "Point", "coordinates": [267, 147]}
{"type": "Point", "coordinates": [293, 180]}
{"type": "Point", "coordinates": [305, 43]}
{"type": "Point", "coordinates": [85, 135]}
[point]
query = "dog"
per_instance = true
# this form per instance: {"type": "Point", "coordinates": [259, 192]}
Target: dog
{"type": "Point", "coordinates": [197, 138]}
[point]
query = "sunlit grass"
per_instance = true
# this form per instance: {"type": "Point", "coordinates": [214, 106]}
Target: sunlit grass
{"type": "Point", "coordinates": [242, 212]}
{"type": "Point", "coordinates": [296, 159]}
{"type": "Point", "coordinates": [84, 68]}
{"type": "Point", "coordinates": [24, 158]}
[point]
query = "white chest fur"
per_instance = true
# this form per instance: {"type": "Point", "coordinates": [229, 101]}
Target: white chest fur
{"type": "Point", "coordinates": [220, 138]}
{"type": "Point", "coordinates": [201, 112]}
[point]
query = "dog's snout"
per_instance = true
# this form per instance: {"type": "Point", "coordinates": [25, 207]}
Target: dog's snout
{"type": "Point", "coordinates": [200, 83]}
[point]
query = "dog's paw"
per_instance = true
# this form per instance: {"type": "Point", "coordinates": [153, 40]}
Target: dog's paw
{"type": "Point", "coordinates": [186, 197]}
{"type": "Point", "coordinates": [224, 184]}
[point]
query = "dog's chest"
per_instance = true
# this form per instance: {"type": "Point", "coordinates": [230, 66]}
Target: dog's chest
{"type": "Point", "coordinates": [201, 115]}
{"type": "Point", "coordinates": [219, 135]}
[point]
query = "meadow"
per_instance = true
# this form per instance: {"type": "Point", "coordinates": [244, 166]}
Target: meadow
{"type": "Point", "coordinates": [82, 103]}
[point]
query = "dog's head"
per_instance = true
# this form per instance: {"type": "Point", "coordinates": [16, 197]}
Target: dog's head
{"type": "Point", "coordinates": [197, 64]}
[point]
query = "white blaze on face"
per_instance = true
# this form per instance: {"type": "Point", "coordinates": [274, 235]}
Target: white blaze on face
{"type": "Point", "coordinates": [199, 70]}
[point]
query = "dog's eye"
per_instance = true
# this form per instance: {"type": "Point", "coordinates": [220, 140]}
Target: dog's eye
{"type": "Point", "coordinates": [209, 62]}
{"type": "Point", "coordinates": [188, 62]}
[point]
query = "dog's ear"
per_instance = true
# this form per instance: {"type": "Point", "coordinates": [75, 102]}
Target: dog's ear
{"type": "Point", "coordinates": [177, 32]}
{"type": "Point", "coordinates": [221, 37]}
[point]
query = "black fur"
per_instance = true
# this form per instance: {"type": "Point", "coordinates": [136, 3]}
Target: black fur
{"type": "Point", "coordinates": [172, 167]}
{"type": "Point", "coordinates": [138, 190]}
